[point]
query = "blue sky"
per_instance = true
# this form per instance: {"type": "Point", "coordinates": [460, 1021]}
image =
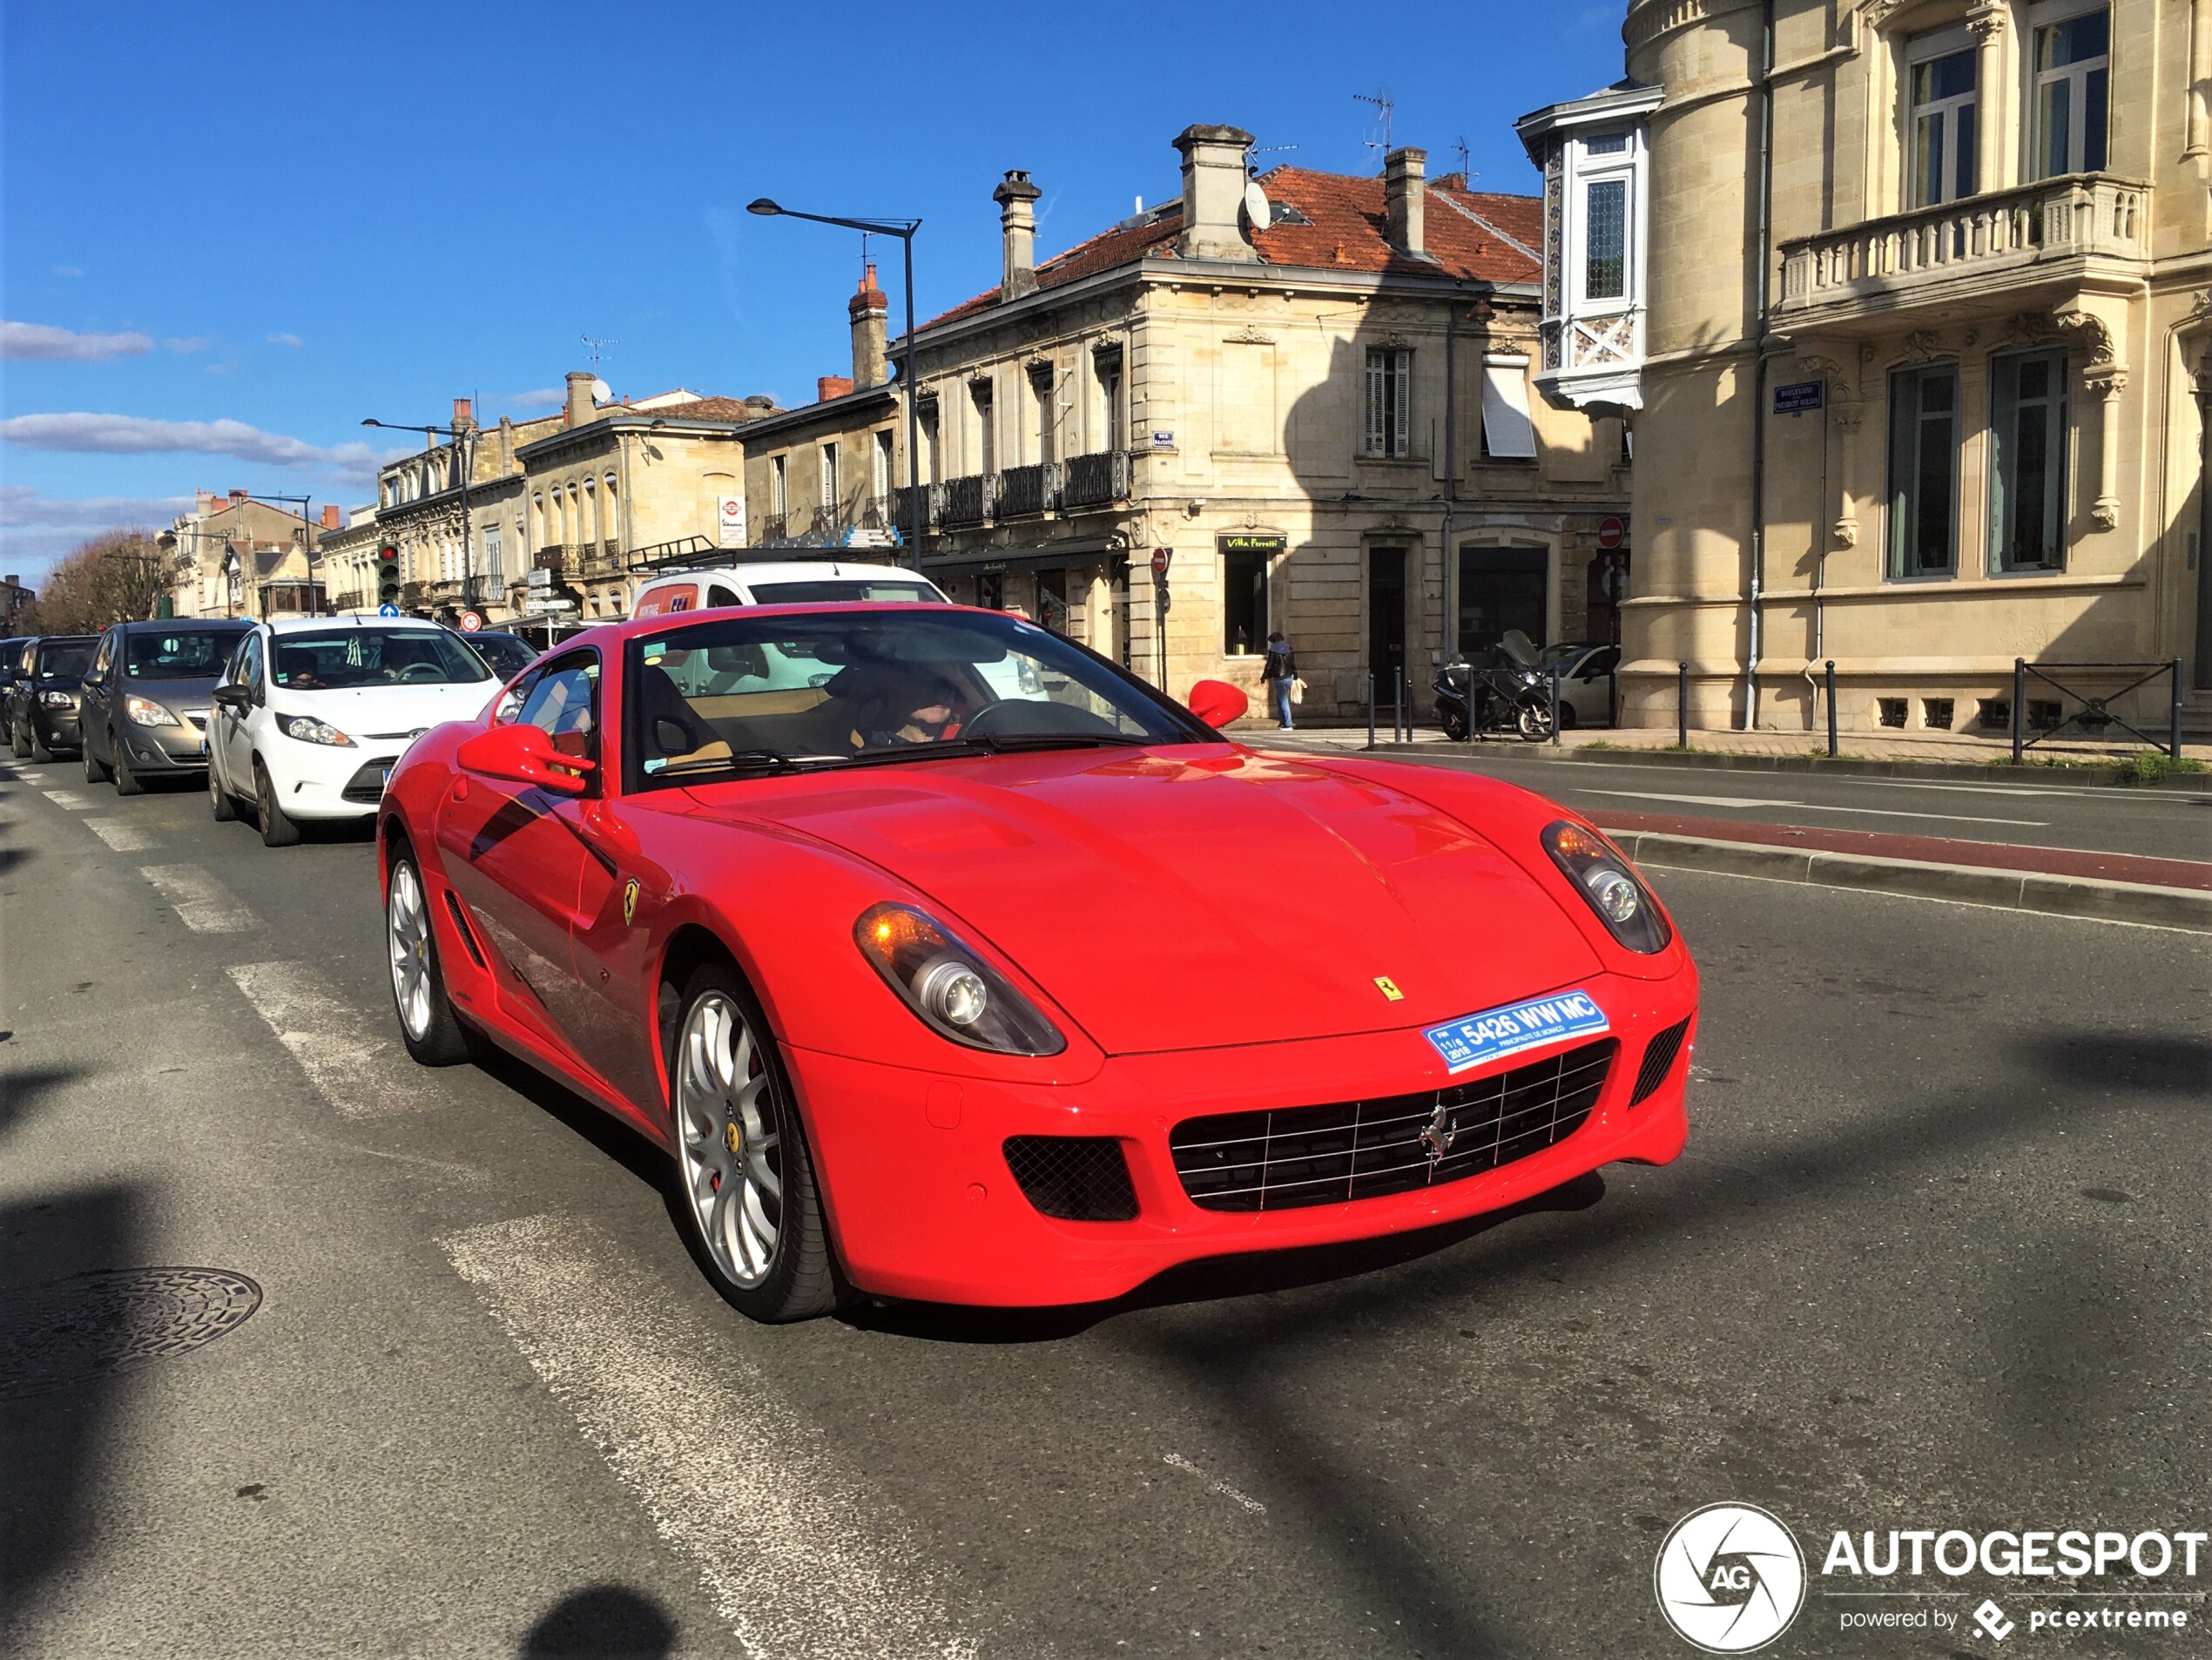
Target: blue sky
{"type": "Point", "coordinates": [232, 231]}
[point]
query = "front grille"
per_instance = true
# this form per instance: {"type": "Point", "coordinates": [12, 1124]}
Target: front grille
{"type": "Point", "coordinates": [1078, 1178]}
{"type": "Point", "coordinates": [367, 784]}
{"type": "Point", "coordinates": [1658, 1060]}
{"type": "Point", "coordinates": [1359, 1150]}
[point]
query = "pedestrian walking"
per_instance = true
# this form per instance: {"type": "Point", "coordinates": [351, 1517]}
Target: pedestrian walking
{"type": "Point", "coordinates": [1281, 672]}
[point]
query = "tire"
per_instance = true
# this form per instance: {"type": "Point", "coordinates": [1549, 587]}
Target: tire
{"type": "Point", "coordinates": [94, 772]}
{"type": "Point", "coordinates": [1535, 724]}
{"type": "Point", "coordinates": [218, 798]}
{"type": "Point", "coordinates": [727, 1085]}
{"type": "Point", "coordinates": [1568, 721]}
{"type": "Point", "coordinates": [38, 751]}
{"type": "Point", "coordinates": [277, 830]}
{"type": "Point", "coordinates": [126, 781]}
{"type": "Point", "coordinates": [432, 1032]}
{"type": "Point", "coordinates": [19, 741]}
{"type": "Point", "coordinates": [1455, 726]}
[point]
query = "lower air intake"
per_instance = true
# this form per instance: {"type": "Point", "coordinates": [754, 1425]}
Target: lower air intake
{"type": "Point", "coordinates": [1658, 1060]}
{"type": "Point", "coordinates": [1077, 1178]}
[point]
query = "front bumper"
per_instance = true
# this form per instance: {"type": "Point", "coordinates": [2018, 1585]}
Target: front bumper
{"type": "Point", "coordinates": [327, 780]}
{"type": "Point", "coordinates": [154, 750]}
{"type": "Point", "coordinates": [57, 728]}
{"type": "Point", "coordinates": [924, 1206]}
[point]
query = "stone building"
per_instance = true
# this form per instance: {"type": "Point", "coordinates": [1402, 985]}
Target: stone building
{"type": "Point", "coordinates": [1313, 395]}
{"type": "Point", "coordinates": [232, 556]}
{"type": "Point", "coordinates": [1926, 355]}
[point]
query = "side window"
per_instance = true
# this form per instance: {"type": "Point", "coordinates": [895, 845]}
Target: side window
{"type": "Point", "coordinates": [511, 700]}
{"type": "Point", "coordinates": [249, 665]}
{"type": "Point", "coordinates": [564, 702]}
{"type": "Point", "coordinates": [105, 659]}
{"type": "Point", "coordinates": [718, 595]}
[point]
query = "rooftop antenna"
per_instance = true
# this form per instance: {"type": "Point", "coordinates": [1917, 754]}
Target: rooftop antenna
{"type": "Point", "coordinates": [1383, 105]}
{"type": "Point", "coordinates": [1460, 149]}
{"type": "Point", "coordinates": [1251, 169]}
{"type": "Point", "coordinates": [593, 349]}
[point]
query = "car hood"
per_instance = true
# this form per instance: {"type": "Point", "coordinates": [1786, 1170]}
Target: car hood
{"type": "Point", "coordinates": [1180, 900]}
{"type": "Point", "coordinates": [177, 695]}
{"type": "Point", "coordinates": [392, 714]}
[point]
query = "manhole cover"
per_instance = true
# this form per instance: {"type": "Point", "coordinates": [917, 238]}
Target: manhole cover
{"type": "Point", "coordinates": [114, 1321]}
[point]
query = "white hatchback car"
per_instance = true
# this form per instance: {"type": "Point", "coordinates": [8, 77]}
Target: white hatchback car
{"type": "Point", "coordinates": [312, 713]}
{"type": "Point", "coordinates": [781, 581]}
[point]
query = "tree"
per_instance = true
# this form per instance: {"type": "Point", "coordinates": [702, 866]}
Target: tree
{"type": "Point", "coordinates": [114, 578]}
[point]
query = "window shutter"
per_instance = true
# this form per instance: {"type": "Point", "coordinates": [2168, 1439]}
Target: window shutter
{"type": "Point", "coordinates": [1375, 401]}
{"type": "Point", "coordinates": [1399, 403]}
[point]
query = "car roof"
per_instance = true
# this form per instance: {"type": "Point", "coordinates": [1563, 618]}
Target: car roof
{"type": "Point", "coordinates": [165, 623]}
{"type": "Point", "coordinates": [324, 625]}
{"type": "Point", "coordinates": [788, 571]}
{"type": "Point", "coordinates": [613, 634]}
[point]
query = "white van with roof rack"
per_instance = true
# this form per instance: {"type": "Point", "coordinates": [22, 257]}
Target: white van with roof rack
{"type": "Point", "coordinates": [711, 582]}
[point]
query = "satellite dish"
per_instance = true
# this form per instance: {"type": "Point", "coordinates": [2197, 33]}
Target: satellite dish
{"type": "Point", "coordinates": [601, 392]}
{"type": "Point", "coordinates": [1256, 207]}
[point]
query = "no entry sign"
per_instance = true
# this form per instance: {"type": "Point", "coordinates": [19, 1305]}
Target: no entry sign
{"type": "Point", "coordinates": [1611, 532]}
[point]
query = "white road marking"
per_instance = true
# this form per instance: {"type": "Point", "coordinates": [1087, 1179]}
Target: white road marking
{"type": "Point", "coordinates": [1808, 807]}
{"type": "Point", "coordinates": [1222, 1487]}
{"type": "Point", "coordinates": [354, 1060]}
{"type": "Point", "coordinates": [120, 834]}
{"type": "Point", "coordinates": [203, 904]}
{"type": "Point", "coordinates": [797, 1556]}
{"type": "Point", "coordinates": [74, 800]}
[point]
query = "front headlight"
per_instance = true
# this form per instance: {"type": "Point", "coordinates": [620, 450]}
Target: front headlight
{"type": "Point", "coordinates": [950, 985]}
{"type": "Point", "coordinates": [308, 730]}
{"type": "Point", "coordinates": [144, 711]}
{"type": "Point", "coordinates": [1610, 884]}
{"type": "Point", "coordinates": [58, 699]}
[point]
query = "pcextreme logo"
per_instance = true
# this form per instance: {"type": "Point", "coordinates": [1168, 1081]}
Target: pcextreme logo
{"type": "Point", "coordinates": [1729, 1578]}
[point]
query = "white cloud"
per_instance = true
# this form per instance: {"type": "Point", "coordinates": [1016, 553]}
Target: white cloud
{"type": "Point", "coordinates": [186, 346]}
{"type": "Point", "coordinates": [285, 340]}
{"type": "Point", "coordinates": [117, 435]}
{"type": "Point", "coordinates": [44, 341]}
{"type": "Point", "coordinates": [546, 397]}
{"type": "Point", "coordinates": [35, 529]}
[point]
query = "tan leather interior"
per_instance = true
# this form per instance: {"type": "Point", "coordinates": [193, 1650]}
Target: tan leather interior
{"type": "Point", "coordinates": [745, 706]}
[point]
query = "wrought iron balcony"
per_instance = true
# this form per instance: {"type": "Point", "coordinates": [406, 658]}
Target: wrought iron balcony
{"type": "Point", "coordinates": [774, 531]}
{"type": "Point", "coordinates": [901, 506]}
{"type": "Point", "coordinates": [1098, 480]}
{"type": "Point", "coordinates": [2004, 238]}
{"type": "Point", "coordinates": [1033, 489]}
{"type": "Point", "coordinates": [970, 500]}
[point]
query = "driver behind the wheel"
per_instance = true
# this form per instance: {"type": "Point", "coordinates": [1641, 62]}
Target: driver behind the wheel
{"type": "Point", "coordinates": [911, 710]}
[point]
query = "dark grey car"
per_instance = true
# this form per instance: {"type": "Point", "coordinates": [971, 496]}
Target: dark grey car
{"type": "Point", "coordinates": [146, 698]}
{"type": "Point", "coordinates": [44, 699]}
{"type": "Point", "coordinates": [11, 656]}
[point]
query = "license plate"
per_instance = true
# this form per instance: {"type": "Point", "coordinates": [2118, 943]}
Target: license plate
{"type": "Point", "coordinates": [386, 781]}
{"type": "Point", "coordinates": [1495, 1033]}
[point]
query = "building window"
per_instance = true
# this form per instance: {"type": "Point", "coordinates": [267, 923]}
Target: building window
{"type": "Point", "coordinates": [779, 481]}
{"type": "Point", "coordinates": [979, 393]}
{"type": "Point", "coordinates": [1113, 423]}
{"type": "Point", "coordinates": [495, 569]}
{"type": "Point", "coordinates": [831, 494]}
{"type": "Point", "coordinates": [925, 422]}
{"type": "Point", "coordinates": [613, 521]}
{"type": "Point", "coordinates": [1942, 79]}
{"type": "Point", "coordinates": [2072, 58]}
{"type": "Point", "coordinates": [1244, 600]}
{"type": "Point", "coordinates": [537, 520]}
{"type": "Point", "coordinates": [2027, 420]}
{"type": "Point", "coordinates": [591, 515]}
{"type": "Point", "coordinates": [1605, 239]}
{"type": "Point", "coordinates": [880, 485]}
{"type": "Point", "coordinates": [1508, 433]}
{"type": "Point", "coordinates": [1924, 470]}
{"type": "Point", "coordinates": [1041, 385]}
{"type": "Point", "coordinates": [1390, 376]}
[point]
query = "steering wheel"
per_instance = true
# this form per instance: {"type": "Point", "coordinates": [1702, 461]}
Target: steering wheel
{"type": "Point", "coordinates": [417, 672]}
{"type": "Point", "coordinates": [1008, 716]}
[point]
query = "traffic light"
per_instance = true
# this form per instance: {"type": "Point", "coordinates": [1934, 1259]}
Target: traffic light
{"type": "Point", "coordinates": [388, 575]}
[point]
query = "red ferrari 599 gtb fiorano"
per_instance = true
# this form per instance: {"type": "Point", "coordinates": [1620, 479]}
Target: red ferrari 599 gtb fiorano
{"type": "Point", "coordinates": [950, 961]}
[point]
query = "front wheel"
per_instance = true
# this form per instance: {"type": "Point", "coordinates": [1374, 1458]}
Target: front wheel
{"type": "Point", "coordinates": [1535, 723]}
{"type": "Point", "coordinates": [433, 1033]}
{"type": "Point", "coordinates": [218, 798]}
{"type": "Point", "coordinates": [94, 772]}
{"type": "Point", "coordinates": [277, 830]}
{"type": "Point", "coordinates": [126, 781]}
{"type": "Point", "coordinates": [742, 1183]}
{"type": "Point", "coordinates": [1454, 724]}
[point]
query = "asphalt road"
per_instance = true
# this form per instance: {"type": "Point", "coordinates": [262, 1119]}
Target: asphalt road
{"type": "Point", "coordinates": [1936, 1256]}
{"type": "Point", "coordinates": [2164, 824]}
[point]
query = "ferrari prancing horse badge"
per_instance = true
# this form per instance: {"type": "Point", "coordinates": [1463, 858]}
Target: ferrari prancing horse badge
{"type": "Point", "coordinates": [629, 901]}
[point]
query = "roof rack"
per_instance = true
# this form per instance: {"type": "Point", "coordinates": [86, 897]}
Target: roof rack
{"type": "Point", "coordinates": [696, 553]}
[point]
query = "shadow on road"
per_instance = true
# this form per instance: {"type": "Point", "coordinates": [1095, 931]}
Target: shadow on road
{"type": "Point", "coordinates": [602, 1622]}
{"type": "Point", "coordinates": [24, 1089]}
{"type": "Point", "coordinates": [594, 1124]}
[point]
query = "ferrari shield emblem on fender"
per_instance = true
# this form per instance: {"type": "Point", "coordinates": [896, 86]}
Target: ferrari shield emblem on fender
{"type": "Point", "coordinates": [629, 901]}
{"type": "Point", "coordinates": [1388, 986]}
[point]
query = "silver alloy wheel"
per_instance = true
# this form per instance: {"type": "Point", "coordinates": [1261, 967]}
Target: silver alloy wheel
{"type": "Point", "coordinates": [730, 1139]}
{"type": "Point", "coordinates": [407, 929]}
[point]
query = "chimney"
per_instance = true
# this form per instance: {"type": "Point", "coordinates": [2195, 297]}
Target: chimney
{"type": "Point", "coordinates": [464, 414]}
{"type": "Point", "coordinates": [870, 313]}
{"type": "Point", "coordinates": [579, 406]}
{"type": "Point", "coordinates": [1404, 199]}
{"type": "Point", "coordinates": [237, 498]}
{"type": "Point", "coordinates": [330, 518]}
{"type": "Point", "coordinates": [831, 386]}
{"type": "Point", "coordinates": [1018, 220]}
{"type": "Point", "coordinates": [1213, 192]}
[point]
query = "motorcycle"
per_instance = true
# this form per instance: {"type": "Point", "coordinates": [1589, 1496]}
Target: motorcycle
{"type": "Point", "coordinates": [1508, 694]}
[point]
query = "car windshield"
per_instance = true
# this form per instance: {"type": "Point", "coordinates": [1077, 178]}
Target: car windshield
{"type": "Point", "coordinates": [508, 656]}
{"type": "Point", "coordinates": [343, 658]}
{"type": "Point", "coordinates": [841, 590]}
{"type": "Point", "coordinates": [742, 693]}
{"type": "Point", "coordinates": [178, 654]}
{"type": "Point", "coordinates": [64, 658]}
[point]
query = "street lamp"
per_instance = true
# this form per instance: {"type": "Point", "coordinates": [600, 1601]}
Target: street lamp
{"type": "Point", "coordinates": [904, 229]}
{"type": "Point", "coordinates": [464, 448]}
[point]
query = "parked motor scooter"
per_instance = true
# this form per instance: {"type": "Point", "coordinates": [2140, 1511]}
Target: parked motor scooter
{"type": "Point", "coordinates": [1508, 694]}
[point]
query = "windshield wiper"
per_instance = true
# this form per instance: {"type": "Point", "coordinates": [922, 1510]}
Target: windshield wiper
{"type": "Point", "coordinates": [771, 761]}
{"type": "Point", "coordinates": [1010, 743]}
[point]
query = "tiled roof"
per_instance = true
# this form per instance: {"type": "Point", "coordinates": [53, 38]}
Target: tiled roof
{"type": "Point", "coordinates": [1472, 234]}
{"type": "Point", "coordinates": [703, 410]}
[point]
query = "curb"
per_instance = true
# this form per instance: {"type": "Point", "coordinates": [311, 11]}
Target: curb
{"type": "Point", "coordinates": [2013, 890]}
{"type": "Point", "coordinates": [2106, 777]}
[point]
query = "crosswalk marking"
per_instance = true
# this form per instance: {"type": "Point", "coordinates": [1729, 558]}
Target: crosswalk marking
{"type": "Point", "coordinates": [74, 800]}
{"type": "Point", "coordinates": [120, 834]}
{"type": "Point", "coordinates": [795, 1555]}
{"type": "Point", "coordinates": [353, 1056]}
{"type": "Point", "coordinates": [203, 904]}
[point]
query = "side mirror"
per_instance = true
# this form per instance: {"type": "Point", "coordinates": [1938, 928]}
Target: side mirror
{"type": "Point", "coordinates": [524, 754]}
{"type": "Point", "coordinates": [237, 699]}
{"type": "Point", "coordinates": [1218, 703]}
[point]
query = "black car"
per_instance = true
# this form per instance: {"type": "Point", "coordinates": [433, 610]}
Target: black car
{"type": "Point", "coordinates": [43, 704]}
{"type": "Point", "coordinates": [147, 695]}
{"type": "Point", "coordinates": [10, 661]}
{"type": "Point", "coordinates": [508, 654]}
